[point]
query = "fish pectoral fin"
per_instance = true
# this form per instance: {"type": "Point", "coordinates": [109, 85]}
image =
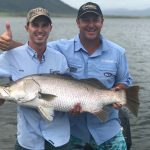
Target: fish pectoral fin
{"type": "Point", "coordinates": [47, 113]}
{"type": "Point", "coordinates": [47, 97]}
{"type": "Point", "coordinates": [102, 115]}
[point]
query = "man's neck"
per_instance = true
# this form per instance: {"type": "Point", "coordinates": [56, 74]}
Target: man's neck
{"type": "Point", "coordinates": [39, 48]}
{"type": "Point", "coordinates": [90, 45]}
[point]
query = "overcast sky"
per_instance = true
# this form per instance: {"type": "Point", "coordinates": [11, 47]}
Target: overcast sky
{"type": "Point", "coordinates": [113, 4]}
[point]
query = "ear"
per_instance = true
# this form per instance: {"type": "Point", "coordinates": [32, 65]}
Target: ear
{"type": "Point", "coordinates": [51, 27]}
{"type": "Point", "coordinates": [78, 22]}
{"type": "Point", "coordinates": [26, 27]}
{"type": "Point", "coordinates": [102, 20]}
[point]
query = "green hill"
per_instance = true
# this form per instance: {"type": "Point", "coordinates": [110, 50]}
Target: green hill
{"type": "Point", "coordinates": [20, 7]}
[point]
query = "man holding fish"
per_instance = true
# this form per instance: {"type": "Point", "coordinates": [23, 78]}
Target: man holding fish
{"type": "Point", "coordinates": [90, 55]}
{"type": "Point", "coordinates": [35, 57]}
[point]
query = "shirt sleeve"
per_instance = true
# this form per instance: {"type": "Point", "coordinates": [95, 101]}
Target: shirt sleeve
{"type": "Point", "coordinates": [4, 65]}
{"type": "Point", "coordinates": [58, 45]}
{"type": "Point", "coordinates": [53, 45]}
{"type": "Point", "coordinates": [123, 76]}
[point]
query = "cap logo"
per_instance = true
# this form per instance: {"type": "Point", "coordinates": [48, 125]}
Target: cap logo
{"type": "Point", "coordinates": [36, 11]}
{"type": "Point", "coordinates": [89, 7]}
{"type": "Point", "coordinates": [32, 14]}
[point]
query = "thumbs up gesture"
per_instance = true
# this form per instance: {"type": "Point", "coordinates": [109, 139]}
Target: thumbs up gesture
{"type": "Point", "coordinates": [6, 38]}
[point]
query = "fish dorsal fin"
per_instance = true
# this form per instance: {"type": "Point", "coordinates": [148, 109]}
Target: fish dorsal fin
{"type": "Point", "coordinates": [94, 82]}
{"type": "Point", "coordinates": [91, 81]}
{"type": "Point", "coordinates": [47, 97]}
{"type": "Point", "coordinates": [47, 113]}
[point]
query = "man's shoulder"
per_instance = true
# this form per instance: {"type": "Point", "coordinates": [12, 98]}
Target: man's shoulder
{"type": "Point", "coordinates": [17, 49]}
{"type": "Point", "coordinates": [62, 45]}
{"type": "Point", "coordinates": [14, 51]}
{"type": "Point", "coordinates": [54, 53]}
{"type": "Point", "coordinates": [114, 46]}
{"type": "Point", "coordinates": [62, 42]}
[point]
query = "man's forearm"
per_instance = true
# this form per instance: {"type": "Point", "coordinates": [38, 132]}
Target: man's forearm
{"type": "Point", "coordinates": [7, 45]}
{"type": "Point", "coordinates": [15, 44]}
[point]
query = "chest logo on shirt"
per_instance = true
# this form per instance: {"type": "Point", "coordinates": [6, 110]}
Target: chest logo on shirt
{"type": "Point", "coordinates": [108, 74]}
{"type": "Point", "coordinates": [21, 70]}
{"type": "Point", "coordinates": [51, 71]}
{"type": "Point", "coordinates": [73, 69]}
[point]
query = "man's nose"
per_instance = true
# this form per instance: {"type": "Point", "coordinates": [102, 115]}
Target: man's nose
{"type": "Point", "coordinates": [40, 28]}
{"type": "Point", "coordinates": [91, 23]}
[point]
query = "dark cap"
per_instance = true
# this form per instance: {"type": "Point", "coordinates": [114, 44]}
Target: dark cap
{"type": "Point", "coordinates": [89, 8]}
{"type": "Point", "coordinates": [36, 12]}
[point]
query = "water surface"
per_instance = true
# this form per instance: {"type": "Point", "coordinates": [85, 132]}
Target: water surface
{"type": "Point", "coordinates": [132, 34]}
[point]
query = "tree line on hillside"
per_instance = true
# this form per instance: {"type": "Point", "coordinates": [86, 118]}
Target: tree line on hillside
{"type": "Point", "coordinates": [22, 6]}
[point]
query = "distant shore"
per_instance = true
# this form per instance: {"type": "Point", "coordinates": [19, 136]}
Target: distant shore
{"type": "Point", "coordinates": [23, 14]}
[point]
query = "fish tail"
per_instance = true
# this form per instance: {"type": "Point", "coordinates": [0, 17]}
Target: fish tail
{"type": "Point", "coordinates": [133, 99]}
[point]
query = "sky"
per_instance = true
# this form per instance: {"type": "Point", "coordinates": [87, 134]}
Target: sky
{"type": "Point", "coordinates": [113, 4]}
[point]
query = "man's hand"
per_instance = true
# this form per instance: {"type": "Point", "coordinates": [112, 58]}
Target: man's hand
{"type": "Point", "coordinates": [6, 38]}
{"type": "Point", "coordinates": [77, 109]}
{"type": "Point", "coordinates": [117, 105]}
{"type": "Point", "coordinates": [117, 88]}
{"type": "Point", "coordinates": [2, 101]}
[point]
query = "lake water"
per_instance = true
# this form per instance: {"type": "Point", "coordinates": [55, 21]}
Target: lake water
{"type": "Point", "coordinates": [132, 34]}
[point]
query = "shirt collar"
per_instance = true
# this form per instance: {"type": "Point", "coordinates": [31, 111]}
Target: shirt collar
{"type": "Point", "coordinates": [30, 50]}
{"type": "Point", "coordinates": [32, 53]}
{"type": "Point", "coordinates": [78, 44]}
{"type": "Point", "coordinates": [103, 46]}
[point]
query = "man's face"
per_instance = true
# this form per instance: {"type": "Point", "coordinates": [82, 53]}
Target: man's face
{"type": "Point", "coordinates": [39, 30]}
{"type": "Point", "coordinates": [90, 26]}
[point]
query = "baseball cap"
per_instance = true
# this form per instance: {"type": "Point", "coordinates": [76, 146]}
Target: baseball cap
{"type": "Point", "coordinates": [36, 12]}
{"type": "Point", "coordinates": [89, 7]}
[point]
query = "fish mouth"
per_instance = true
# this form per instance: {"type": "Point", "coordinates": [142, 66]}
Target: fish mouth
{"type": "Point", "coordinates": [6, 90]}
{"type": "Point", "coordinates": [4, 93]}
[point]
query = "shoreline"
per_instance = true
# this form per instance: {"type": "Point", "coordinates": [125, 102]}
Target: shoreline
{"type": "Point", "coordinates": [23, 14]}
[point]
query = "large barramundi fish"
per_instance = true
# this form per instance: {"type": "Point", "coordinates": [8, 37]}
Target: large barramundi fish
{"type": "Point", "coordinates": [56, 92]}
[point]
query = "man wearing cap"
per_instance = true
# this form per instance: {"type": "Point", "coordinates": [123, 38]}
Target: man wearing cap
{"type": "Point", "coordinates": [35, 57]}
{"type": "Point", "coordinates": [90, 55]}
